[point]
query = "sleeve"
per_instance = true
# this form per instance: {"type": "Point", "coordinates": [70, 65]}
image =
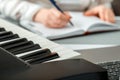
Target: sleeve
{"type": "Point", "coordinates": [81, 5]}
{"type": "Point", "coordinates": [94, 3]}
{"type": "Point", "coordinates": [18, 9]}
{"type": "Point", "coordinates": [116, 7]}
{"type": "Point", "coordinates": [73, 5]}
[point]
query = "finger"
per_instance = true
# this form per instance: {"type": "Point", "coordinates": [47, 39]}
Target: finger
{"type": "Point", "coordinates": [52, 24]}
{"type": "Point", "coordinates": [101, 14]}
{"type": "Point", "coordinates": [59, 21]}
{"type": "Point", "coordinates": [49, 25]}
{"type": "Point", "coordinates": [109, 16]}
{"type": "Point", "coordinates": [63, 16]}
{"type": "Point", "coordinates": [112, 18]}
{"type": "Point", "coordinates": [56, 13]}
{"type": "Point", "coordinates": [55, 25]}
{"type": "Point", "coordinates": [59, 25]}
{"type": "Point", "coordinates": [67, 15]}
{"type": "Point", "coordinates": [92, 12]}
{"type": "Point", "coordinates": [55, 20]}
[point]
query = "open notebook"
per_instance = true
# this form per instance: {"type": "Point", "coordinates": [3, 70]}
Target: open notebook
{"type": "Point", "coordinates": [82, 24]}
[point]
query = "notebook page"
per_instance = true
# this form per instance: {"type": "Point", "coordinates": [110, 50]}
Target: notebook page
{"type": "Point", "coordinates": [85, 22]}
{"type": "Point", "coordinates": [53, 32]}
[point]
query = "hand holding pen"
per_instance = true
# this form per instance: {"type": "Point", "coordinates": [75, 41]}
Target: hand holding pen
{"type": "Point", "coordinates": [52, 18]}
{"type": "Point", "coordinates": [59, 9]}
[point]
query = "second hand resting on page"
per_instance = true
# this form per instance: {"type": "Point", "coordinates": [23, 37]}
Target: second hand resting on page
{"type": "Point", "coordinates": [53, 18]}
{"type": "Point", "coordinates": [104, 13]}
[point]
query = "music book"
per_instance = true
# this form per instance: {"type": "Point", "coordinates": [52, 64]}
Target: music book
{"type": "Point", "coordinates": [82, 25]}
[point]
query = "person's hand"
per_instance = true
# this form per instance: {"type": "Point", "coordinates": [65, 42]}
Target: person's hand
{"type": "Point", "coordinates": [52, 18]}
{"type": "Point", "coordinates": [104, 13]}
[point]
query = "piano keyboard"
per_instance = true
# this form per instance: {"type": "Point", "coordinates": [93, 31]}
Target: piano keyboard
{"type": "Point", "coordinates": [29, 46]}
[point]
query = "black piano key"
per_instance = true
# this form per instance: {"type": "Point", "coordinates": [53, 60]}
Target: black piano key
{"type": "Point", "coordinates": [4, 33]}
{"type": "Point", "coordinates": [7, 44]}
{"type": "Point", "coordinates": [26, 48]}
{"type": "Point", "coordinates": [9, 37]}
{"type": "Point", "coordinates": [14, 45]}
{"type": "Point", "coordinates": [2, 29]}
{"type": "Point", "coordinates": [18, 45]}
{"type": "Point", "coordinates": [40, 60]}
{"type": "Point", "coordinates": [37, 54]}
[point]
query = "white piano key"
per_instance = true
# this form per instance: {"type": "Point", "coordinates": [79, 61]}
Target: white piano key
{"type": "Point", "coordinates": [26, 53]}
{"type": "Point", "coordinates": [64, 53]}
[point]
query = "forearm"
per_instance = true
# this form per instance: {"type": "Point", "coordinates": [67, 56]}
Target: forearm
{"type": "Point", "coordinates": [80, 5]}
{"type": "Point", "coordinates": [113, 4]}
{"type": "Point", "coordinates": [94, 3]}
{"type": "Point", "coordinates": [73, 5]}
{"type": "Point", "coordinates": [18, 10]}
{"type": "Point", "coordinates": [116, 7]}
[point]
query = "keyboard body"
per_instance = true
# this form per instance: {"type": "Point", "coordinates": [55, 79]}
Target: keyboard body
{"type": "Point", "coordinates": [27, 56]}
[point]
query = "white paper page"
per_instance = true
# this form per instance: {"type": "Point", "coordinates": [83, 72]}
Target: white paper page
{"type": "Point", "coordinates": [51, 31]}
{"type": "Point", "coordinates": [54, 32]}
{"type": "Point", "coordinates": [85, 22]}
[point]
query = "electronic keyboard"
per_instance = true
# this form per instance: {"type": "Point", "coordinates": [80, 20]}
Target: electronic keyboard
{"type": "Point", "coordinates": [27, 56]}
{"type": "Point", "coordinates": [42, 42]}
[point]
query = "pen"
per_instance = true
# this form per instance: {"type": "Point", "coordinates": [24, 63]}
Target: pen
{"type": "Point", "coordinates": [58, 8]}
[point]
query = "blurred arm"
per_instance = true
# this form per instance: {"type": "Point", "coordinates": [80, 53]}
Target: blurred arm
{"type": "Point", "coordinates": [81, 5]}
{"type": "Point", "coordinates": [116, 7]}
{"type": "Point", "coordinates": [18, 9]}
